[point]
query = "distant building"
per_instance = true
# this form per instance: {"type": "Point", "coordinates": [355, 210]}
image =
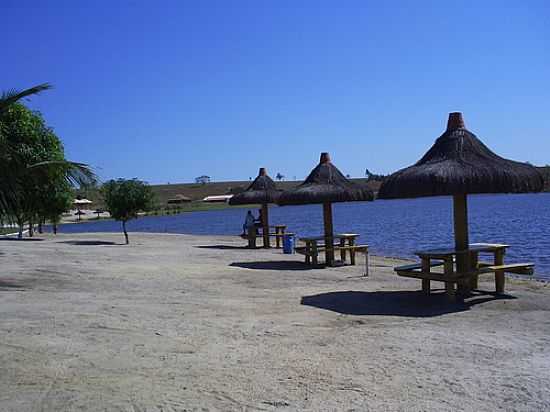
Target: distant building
{"type": "Point", "coordinates": [178, 199]}
{"type": "Point", "coordinates": [217, 198]}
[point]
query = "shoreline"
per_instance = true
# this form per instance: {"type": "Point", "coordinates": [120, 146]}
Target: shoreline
{"type": "Point", "coordinates": [542, 278]}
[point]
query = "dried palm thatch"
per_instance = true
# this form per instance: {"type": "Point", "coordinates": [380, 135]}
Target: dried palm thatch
{"type": "Point", "coordinates": [325, 184]}
{"type": "Point", "coordinates": [460, 163]}
{"type": "Point", "coordinates": [262, 190]}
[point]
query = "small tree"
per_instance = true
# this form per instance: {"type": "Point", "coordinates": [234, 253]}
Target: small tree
{"type": "Point", "coordinates": [202, 179]}
{"type": "Point", "coordinates": [279, 176]}
{"type": "Point", "coordinates": [125, 198]}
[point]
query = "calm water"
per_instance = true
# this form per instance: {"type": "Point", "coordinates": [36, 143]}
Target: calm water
{"type": "Point", "coordinates": [390, 227]}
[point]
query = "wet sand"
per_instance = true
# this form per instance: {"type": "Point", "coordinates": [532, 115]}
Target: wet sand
{"type": "Point", "coordinates": [184, 323]}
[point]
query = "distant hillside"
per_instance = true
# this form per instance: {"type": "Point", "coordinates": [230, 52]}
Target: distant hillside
{"type": "Point", "coordinates": [200, 191]}
{"type": "Point", "coordinates": [197, 192]}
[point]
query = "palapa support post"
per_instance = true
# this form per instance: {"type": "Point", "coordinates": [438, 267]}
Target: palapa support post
{"type": "Point", "coordinates": [460, 211]}
{"type": "Point", "coordinates": [499, 274]}
{"type": "Point", "coordinates": [329, 233]}
{"type": "Point", "coordinates": [265, 225]}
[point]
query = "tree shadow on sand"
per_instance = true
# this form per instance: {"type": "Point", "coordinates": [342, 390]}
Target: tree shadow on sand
{"type": "Point", "coordinates": [225, 247]}
{"type": "Point", "coordinates": [6, 285]}
{"type": "Point", "coordinates": [273, 265]}
{"type": "Point", "coordinates": [89, 243]}
{"type": "Point", "coordinates": [395, 303]}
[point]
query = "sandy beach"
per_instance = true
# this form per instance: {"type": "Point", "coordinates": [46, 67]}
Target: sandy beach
{"type": "Point", "coordinates": [191, 323]}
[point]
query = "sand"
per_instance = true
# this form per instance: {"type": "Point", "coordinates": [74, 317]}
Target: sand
{"type": "Point", "coordinates": [190, 323]}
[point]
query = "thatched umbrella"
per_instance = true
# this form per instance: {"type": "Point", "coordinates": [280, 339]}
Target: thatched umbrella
{"type": "Point", "coordinates": [326, 184]}
{"type": "Point", "coordinates": [261, 191]}
{"type": "Point", "coordinates": [459, 164]}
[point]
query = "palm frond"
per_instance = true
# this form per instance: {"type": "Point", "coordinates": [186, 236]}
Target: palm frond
{"type": "Point", "coordinates": [77, 174]}
{"type": "Point", "coordinates": [12, 96]}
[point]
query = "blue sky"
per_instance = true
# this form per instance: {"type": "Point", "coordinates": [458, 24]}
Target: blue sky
{"type": "Point", "coordinates": [169, 90]}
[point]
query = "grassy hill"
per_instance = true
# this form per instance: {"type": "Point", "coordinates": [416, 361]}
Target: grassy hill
{"type": "Point", "coordinates": [199, 191]}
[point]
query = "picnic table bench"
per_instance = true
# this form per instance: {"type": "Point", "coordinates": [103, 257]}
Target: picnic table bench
{"type": "Point", "coordinates": [447, 258]}
{"type": "Point", "coordinates": [314, 246]}
{"type": "Point", "coordinates": [279, 231]}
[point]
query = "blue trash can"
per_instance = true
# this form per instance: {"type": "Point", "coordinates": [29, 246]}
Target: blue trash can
{"type": "Point", "coordinates": [288, 243]}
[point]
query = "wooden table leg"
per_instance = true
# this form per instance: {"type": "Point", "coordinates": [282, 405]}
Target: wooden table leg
{"type": "Point", "coordinates": [308, 253]}
{"type": "Point", "coordinates": [426, 282]}
{"type": "Point", "coordinates": [343, 251]}
{"type": "Point", "coordinates": [352, 252]}
{"type": "Point", "coordinates": [449, 286]}
{"type": "Point", "coordinates": [314, 253]}
{"type": "Point", "coordinates": [499, 274]}
{"type": "Point", "coordinates": [474, 256]}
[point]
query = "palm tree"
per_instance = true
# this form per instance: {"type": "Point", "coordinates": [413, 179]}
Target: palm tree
{"type": "Point", "coordinates": [13, 96]}
{"type": "Point", "coordinates": [75, 173]}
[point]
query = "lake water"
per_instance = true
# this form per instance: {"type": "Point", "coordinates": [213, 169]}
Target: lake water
{"type": "Point", "coordinates": [390, 227]}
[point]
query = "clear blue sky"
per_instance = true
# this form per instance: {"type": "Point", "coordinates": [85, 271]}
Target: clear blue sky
{"type": "Point", "coordinates": [169, 90]}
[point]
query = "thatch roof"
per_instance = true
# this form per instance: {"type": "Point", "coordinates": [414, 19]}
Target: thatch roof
{"type": "Point", "coordinates": [179, 199]}
{"type": "Point", "coordinates": [459, 163]}
{"type": "Point", "coordinates": [325, 183]}
{"type": "Point", "coordinates": [261, 190]}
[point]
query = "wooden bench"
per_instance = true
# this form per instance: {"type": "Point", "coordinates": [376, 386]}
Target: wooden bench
{"type": "Point", "coordinates": [450, 278]}
{"type": "Point", "coordinates": [422, 271]}
{"type": "Point", "coordinates": [499, 270]}
{"type": "Point", "coordinates": [415, 266]}
{"type": "Point", "coordinates": [517, 268]}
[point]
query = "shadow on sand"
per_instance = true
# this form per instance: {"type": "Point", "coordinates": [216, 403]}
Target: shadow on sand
{"type": "Point", "coordinates": [273, 265]}
{"type": "Point", "coordinates": [395, 303]}
{"type": "Point", "coordinates": [25, 239]}
{"type": "Point", "coordinates": [89, 243]}
{"type": "Point", "coordinates": [224, 247]}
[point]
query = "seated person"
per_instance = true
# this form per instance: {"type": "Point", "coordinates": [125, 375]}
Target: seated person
{"type": "Point", "coordinates": [249, 222]}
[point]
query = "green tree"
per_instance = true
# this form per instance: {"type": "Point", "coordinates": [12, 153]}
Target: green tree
{"type": "Point", "coordinates": [29, 142]}
{"type": "Point", "coordinates": [125, 198]}
{"type": "Point", "coordinates": [55, 200]}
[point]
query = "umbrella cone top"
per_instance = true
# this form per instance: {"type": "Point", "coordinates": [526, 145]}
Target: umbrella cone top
{"type": "Point", "coordinates": [324, 184]}
{"type": "Point", "coordinates": [261, 190]}
{"type": "Point", "coordinates": [459, 163]}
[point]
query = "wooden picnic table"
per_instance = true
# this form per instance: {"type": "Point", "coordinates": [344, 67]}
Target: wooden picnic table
{"type": "Point", "coordinates": [447, 258]}
{"type": "Point", "coordinates": [254, 231]}
{"type": "Point", "coordinates": [315, 244]}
